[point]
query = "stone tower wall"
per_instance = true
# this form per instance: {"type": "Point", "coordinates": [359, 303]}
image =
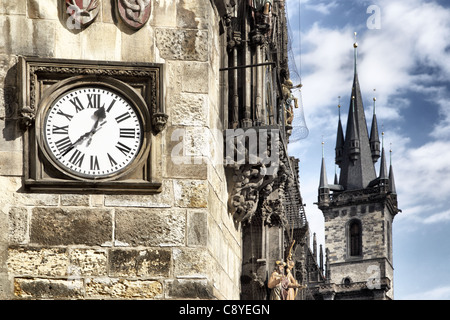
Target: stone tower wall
{"type": "Point", "coordinates": [179, 243]}
{"type": "Point", "coordinates": [375, 261]}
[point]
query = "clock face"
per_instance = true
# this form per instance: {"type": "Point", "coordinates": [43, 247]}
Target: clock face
{"type": "Point", "coordinates": [92, 132]}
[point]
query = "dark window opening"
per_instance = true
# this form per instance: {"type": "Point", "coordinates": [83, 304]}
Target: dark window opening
{"type": "Point", "coordinates": [355, 238]}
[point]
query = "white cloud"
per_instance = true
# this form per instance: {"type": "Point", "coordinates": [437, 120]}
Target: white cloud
{"type": "Point", "coordinates": [439, 293]}
{"type": "Point", "coordinates": [323, 8]}
{"type": "Point", "coordinates": [438, 217]}
{"type": "Point", "coordinates": [408, 54]}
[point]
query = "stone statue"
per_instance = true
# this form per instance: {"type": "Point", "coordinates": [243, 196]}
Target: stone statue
{"type": "Point", "coordinates": [288, 97]}
{"type": "Point", "coordinates": [293, 285]}
{"type": "Point", "coordinates": [261, 5]}
{"type": "Point", "coordinates": [262, 11]}
{"type": "Point", "coordinates": [278, 282]}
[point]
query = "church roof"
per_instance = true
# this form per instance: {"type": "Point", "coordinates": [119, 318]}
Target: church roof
{"type": "Point", "coordinates": [357, 170]}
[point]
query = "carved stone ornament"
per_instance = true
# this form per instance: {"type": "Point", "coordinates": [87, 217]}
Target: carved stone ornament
{"type": "Point", "coordinates": [134, 13]}
{"type": "Point", "coordinates": [254, 177]}
{"type": "Point", "coordinates": [81, 12]}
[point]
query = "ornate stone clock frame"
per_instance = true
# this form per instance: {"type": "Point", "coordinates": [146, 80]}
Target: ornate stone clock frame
{"type": "Point", "coordinates": [40, 82]}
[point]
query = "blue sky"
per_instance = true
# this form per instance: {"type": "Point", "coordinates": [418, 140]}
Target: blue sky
{"type": "Point", "coordinates": [403, 53]}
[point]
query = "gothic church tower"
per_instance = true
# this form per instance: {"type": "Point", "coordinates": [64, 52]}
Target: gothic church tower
{"type": "Point", "coordinates": [359, 209]}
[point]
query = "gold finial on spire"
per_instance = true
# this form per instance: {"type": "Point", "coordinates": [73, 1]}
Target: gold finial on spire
{"type": "Point", "coordinates": [323, 152]}
{"type": "Point", "coordinates": [390, 153]}
{"type": "Point", "coordinates": [355, 45]}
{"type": "Point", "coordinates": [374, 99]}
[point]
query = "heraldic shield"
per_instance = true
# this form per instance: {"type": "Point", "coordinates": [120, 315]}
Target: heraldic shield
{"type": "Point", "coordinates": [81, 12]}
{"type": "Point", "coordinates": [134, 13]}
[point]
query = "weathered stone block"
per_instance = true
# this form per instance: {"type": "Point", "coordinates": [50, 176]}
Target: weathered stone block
{"type": "Point", "coordinates": [159, 200]}
{"type": "Point", "coordinates": [188, 109]}
{"type": "Point", "coordinates": [180, 164]}
{"type": "Point", "coordinates": [189, 262]}
{"type": "Point", "coordinates": [67, 44]}
{"type": "Point", "coordinates": [164, 13]}
{"type": "Point", "coordinates": [17, 32]}
{"type": "Point", "coordinates": [43, 42]}
{"type": "Point", "coordinates": [32, 261]}
{"type": "Point", "coordinates": [176, 44]}
{"type": "Point", "coordinates": [42, 9]}
{"type": "Point", "coordinates": [138, 46]}
{"type": "Point", "coordinates": [195, 77]}
{"type": "Point", "coordinates": [47, 289]}
{"type": "Point", "coordinates": [87, 262]}
{"type": "Point", "coordinates": [18, 225]}
{"type": "Point", "coordinates": [189, 289]}
{"type": "Point", "coordinates": [150, 227]}
{"type": "Point", "coordinates": [75, 200]}
{"type": "Point", "coordinates": [193, 14]}
{"type": "Point", "coordinates": [124, 289]}
{"type": "Point", "coordinates": [101, 41]}
{"type": "Point", "coordinates": [5, 286]}
{"type": "Point", "coordinates": [13, 7]}
{"type": "Point", "coordinates": [139, 263]}
{"type": "Point", "coordinates": [197, 228]}
{"type": "Point", "coordinates": [58, 226]}
{"type": "Point", "coordinates": [191, 193]}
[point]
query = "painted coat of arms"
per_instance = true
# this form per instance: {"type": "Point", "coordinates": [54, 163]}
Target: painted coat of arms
{"type": "Point", "coordinates": [81, 12]}
{"type": "Point", "coordinates": [134, 13]}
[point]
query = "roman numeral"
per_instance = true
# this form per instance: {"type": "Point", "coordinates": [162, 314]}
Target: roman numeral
{"type": "Point", "coordinates": [77, 103]}
{"type": "Point", "coordinates": [127, 133]}
{"type": "Point", "coordinates": [60, 130]}
{"type": "Point", "coordinates": [94, 163]}
{"type": "Point", "coordinates": [93, 100]}
{"type": "Point", "coordinates": [63, 144]}
{"type": "Point", "coordinates": [68, 116]}
{"type": "Point", "coordinates": [77, 158]}
{"type": "Point", "coordinates": [123, 117]}
{"type": "Point", "coordinates": [123, 148]}
{"type": "Point", "coordinates": [111, 105]}
{"type": "Point", "coordinates": [111, 160]}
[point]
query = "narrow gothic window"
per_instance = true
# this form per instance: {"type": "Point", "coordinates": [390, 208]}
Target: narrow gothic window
{"type": "Point", "coordinates": [355, 238]}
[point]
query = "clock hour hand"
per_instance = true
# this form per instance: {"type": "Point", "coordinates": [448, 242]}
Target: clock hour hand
{"type": "Point", "coordinates": [94, 131]}
{"type": "Point", "coordinates": [80, 139]}
{"type": "Point", "coordinates": [100, 114]}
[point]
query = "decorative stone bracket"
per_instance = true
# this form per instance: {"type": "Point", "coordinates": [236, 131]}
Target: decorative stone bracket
{"type": "Point", "coordinates": [256, 161]}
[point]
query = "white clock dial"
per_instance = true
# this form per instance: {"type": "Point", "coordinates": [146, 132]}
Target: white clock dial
{"type": "Point", "coordinates": [92, 132]}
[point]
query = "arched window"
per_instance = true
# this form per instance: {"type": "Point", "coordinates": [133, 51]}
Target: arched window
{"type": "Point", "coordinates": [355, 232]}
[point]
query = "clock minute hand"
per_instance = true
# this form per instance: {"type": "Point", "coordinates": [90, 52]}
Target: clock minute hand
{"type": "Point", "coordinates": [100, 114]}
{"type": "Point", "coordinates": [80, 139]}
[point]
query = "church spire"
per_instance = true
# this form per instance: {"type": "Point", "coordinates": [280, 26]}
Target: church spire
{"type": "Point", "coordinates": [324, 188]}
{"type": "Point", "coordinates": [374, 138]}
{"type": "Point", "coordinates": [357, 167]}
{"type": "Point", "coordinates": [383, 178]}
{"type": "Point", "coordinates": [339, 138]}
{"type": "Point", "coordinates": [391, 175]}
